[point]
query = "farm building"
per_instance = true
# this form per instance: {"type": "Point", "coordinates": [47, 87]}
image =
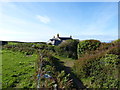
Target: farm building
{"type": "Point", "coordinates": [57, 40]}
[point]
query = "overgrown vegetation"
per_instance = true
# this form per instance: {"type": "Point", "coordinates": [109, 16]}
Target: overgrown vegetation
{"type": "Point", "coordinates": [67, 49]}
{"type": "Point", "coordinates": [99, 68]}
{"type": "Point", "coordinates": [52, 67]}
{"type": "Point", "coordinates": [95, 63]}
{"type": "Point", "coordinates": [22, 75]}
{"type": "Point", "coordinates": [86, 46]}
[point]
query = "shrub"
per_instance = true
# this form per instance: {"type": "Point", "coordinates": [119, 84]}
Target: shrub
{"type": "Point", "coordinates": [22, 47]}
{"type": "Point", "coordinates": [53, 67]}
{"type": "Point", "coordinates": [87, 45]}
{"type": "Point", "coordinates": [114, 50]}
{"type": "Point", "coordinates": [101, 70]}
{"type": "Point", "coordinates": [116, 41]}
{"type": "Point", "coordinates": [81, 66]}
{"type": "Point", "coordinates": [51, 48]}
{"type": "Point", "coordinates": [67, 48]}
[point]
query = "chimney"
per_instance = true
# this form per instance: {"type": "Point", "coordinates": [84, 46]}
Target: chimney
{"type": "Point", "coordinates": [57, 35]}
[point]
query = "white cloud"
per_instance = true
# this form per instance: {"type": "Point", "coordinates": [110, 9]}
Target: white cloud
{"type": "Point", "coordinates": [43, 19]}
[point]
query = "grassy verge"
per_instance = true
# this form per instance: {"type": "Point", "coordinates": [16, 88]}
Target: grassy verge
{"type": "Point", "coordinates": [17, 70]}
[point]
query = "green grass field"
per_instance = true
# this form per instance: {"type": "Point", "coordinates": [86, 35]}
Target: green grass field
{"type": "Point", "coordinates": [18, 70]}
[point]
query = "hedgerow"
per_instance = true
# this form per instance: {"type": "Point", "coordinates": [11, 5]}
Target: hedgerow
{"type": "Point", "coordinates": [86, 46]}
{"type": "Point", "coordinates": [99, 68]}
{"type": "Point", "coordinates": [51, 66]}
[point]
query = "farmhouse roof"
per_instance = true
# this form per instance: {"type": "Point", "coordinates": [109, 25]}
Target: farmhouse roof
{"type": "Point", "coordinates": [65, 38]}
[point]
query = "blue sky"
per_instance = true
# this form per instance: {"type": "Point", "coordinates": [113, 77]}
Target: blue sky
{"type": "Point", "coordinates": [38, 21]}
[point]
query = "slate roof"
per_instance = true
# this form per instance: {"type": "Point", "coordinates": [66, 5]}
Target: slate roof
{"type": "Point", "coordinates": [65, 38]}
{"type": "Point", "coordinates": [61, 38]}
{"type": "Point", "coordinates": [57, 40]}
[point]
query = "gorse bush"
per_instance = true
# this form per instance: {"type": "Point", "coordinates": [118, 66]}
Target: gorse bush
{"type": "Point", "coordinates": [86, 46]}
